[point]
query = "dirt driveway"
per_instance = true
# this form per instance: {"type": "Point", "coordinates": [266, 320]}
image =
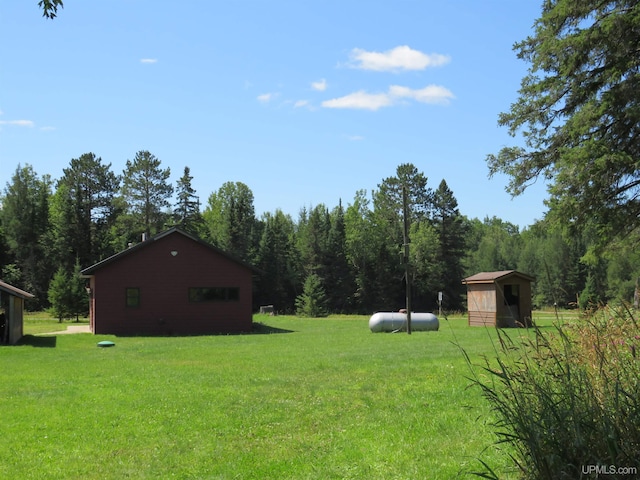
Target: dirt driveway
{"type": "Point", "coordinates": [71, 329]}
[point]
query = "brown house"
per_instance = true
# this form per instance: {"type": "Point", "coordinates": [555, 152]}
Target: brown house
{"type": "Point", "coordinates": [500, 299]}
{"type": "Point", "coordinates": [11, 313]}
{"type": "Point", "coordinates": [170, 284]}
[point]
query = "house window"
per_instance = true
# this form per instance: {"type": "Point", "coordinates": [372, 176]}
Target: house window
{"type": "Point", "coordinates": [132, 297]}
{"type": "Point", "coordinates": [214, 294]}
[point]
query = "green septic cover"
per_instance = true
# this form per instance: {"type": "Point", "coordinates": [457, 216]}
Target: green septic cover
{"type": "Point", "coordinates": [106, 343]}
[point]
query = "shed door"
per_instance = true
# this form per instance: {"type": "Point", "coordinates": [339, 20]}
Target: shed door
{"type": "Point", "coordinates": [512, 302]}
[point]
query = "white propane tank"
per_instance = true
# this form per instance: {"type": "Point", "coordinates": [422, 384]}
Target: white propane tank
{"type": "Point", "coordinates": [393, 321]}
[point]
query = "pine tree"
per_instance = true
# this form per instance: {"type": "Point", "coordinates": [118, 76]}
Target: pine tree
{"type": "Point", "coordinates": [313, 300]}
{"type": "Point", "coordinates": [146, 191]}
{"type": "Point", "coordinates": [83, 211]}
{"type": "Point", "coordinates": [451, 230]}
{"type": "Point", "coordinates": [60, 295]}
{"type": "Point", "coordinates": [187, 208]}
{"type": "Point", "coordinates": [338, 277]}
{"type": "Point", "coordinates": [578, 112]}
{"type": "Point", "coordinates": [79, 300]}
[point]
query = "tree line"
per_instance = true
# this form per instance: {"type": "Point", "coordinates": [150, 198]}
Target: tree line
{"type": "Point", "coordinates": [340, 259]}
{"type": "Point", "coordinates": [578, 117]}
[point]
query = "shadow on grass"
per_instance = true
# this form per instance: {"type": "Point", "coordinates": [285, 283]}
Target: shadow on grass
{"type": "Point", "coordinates": [261, 328]}
{"type": "Point", "coordinates": [257, 328]}
{"type": "Point", "coordinates": [36, 341]}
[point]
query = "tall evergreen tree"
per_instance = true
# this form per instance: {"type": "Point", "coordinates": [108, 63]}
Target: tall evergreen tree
{"type": "Point", "coordinates": [186, 211]}
{"type": "Point", "coordinates": [388, 198]}
{"type": "Point", "coordinates": [312, 240]}
{"type": "Point", "coordinates": [146, 190]}
{"type": "Point", "coordinates": [388, 216]}
{"type": "Point", "coordinates": [84, 210]}
{"type": "Point", "coordinates": [579, 113]}
{"type": "Point", "coordinates": [451, 230]}
{"type": "Point", "coordinates": [338, 277]}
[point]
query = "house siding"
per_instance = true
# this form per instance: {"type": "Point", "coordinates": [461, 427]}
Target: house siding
{"type": "Point", "coordinates": [164, 281]}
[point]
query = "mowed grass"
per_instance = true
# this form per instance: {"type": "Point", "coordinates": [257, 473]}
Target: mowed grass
{"type": "Point", "coordinates": [302, 399]}
{"type": "Point", "coordinates": [42, 322]}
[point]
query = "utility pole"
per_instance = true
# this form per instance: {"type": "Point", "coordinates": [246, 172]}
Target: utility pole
{"type": "Point", "coordinates": [406, 241]}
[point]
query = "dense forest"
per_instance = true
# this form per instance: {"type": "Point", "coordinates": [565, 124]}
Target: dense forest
{"type": "Point", "coordinates": [330, 259]}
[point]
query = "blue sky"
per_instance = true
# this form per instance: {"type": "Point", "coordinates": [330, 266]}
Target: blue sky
{"type": "Point", "coordinates": [305, 102]}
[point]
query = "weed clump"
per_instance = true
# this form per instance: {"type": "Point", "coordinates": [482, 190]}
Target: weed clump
{"type": "Point", "coordinates": [567, 401]}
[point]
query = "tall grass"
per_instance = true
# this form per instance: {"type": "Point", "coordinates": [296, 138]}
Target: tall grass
{"type": "Point", "coordinates": [568, 400]}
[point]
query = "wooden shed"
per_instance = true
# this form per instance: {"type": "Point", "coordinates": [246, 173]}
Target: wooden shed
{"type": "Point", "coordinates": [500, 299]}
{"type": "Point", "coordinates": [11, 313]}
{"type": "Point", "coordinates": [171, 284]}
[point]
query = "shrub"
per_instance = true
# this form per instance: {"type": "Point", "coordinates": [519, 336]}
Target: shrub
{"type": "Point", "coordinates": [568, 400]}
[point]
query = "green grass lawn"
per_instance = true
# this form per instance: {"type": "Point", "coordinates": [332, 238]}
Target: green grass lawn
{"type": "Point", "coordinates": [42, 322]}
{"type": "Point", "coordinates": [310, 399]}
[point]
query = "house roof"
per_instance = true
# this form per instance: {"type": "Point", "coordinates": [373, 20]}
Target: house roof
{"type": "Point", "coordinates": [5, 287]}
{"type": "Point", "coordinates": [93, 268]}
{"type": "Point", "coordinates": [490, 277]}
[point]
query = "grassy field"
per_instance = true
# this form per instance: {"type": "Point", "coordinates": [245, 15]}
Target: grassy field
{"type": "Point", "coordinates": [42, 322]}
{"type": "Point", "coordinates": [299, 399]}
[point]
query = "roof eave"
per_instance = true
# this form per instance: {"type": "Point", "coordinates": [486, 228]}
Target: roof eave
{"type": "Point", "coordinates": [15, 291]}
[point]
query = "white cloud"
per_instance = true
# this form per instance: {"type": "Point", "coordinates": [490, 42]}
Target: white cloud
{"type": "Point", "coordinates": [355, 138]}
{"type": "Point", "coordinates": [18, 123]}
{"type": "Point", "coordinates": [433, 94]}
{"type": "Point", "coordinates": [396, 59]}
{"type": "Point", "coordinates": [148, 60]}
{"type": "Point", "coordinates": [361, 100]}
{"type": "Point", "coordinates": [320, 85]}
{"type": "Point", "coordinates": [47, 129]}
{"type": "Point", "coordinates": [301, 103]}
{"type": "Point", "coordinates": [266, 97]}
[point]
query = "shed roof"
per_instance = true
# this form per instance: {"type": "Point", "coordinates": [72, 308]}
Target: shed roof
{"type": "Point", "coordinates": [5, 287]}
{"type": "Point", "coordinates": [113, 258]}
{"type": "Point", "coordinates": [490, 277]}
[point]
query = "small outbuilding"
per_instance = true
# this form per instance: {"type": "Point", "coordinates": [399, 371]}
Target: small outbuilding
{"type": "Point", "coordinates": [500, 299]}
{"type": "Point", "coordinates": [11, 313]}
{"type": "Point", "coordinates": [171, 284]}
